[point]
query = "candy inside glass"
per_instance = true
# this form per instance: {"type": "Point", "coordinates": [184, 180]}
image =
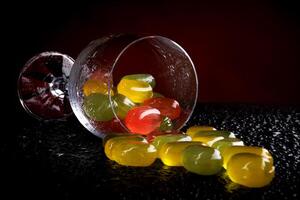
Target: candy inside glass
{"type": "Point", "coordinates": [111, 58]}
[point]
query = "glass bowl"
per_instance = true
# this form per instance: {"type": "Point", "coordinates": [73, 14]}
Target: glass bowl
{"type": "Point", "coordinates": [110, 58]}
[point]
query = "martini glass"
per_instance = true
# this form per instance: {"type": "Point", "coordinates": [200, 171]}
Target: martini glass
{"type": "Point", "coordinates": [50, 85]}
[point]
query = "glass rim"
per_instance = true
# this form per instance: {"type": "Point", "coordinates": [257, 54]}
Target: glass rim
{"type": "Point", "coordinates": [75, 105]}
{"type": "Point", "coordinates": [124, 50]}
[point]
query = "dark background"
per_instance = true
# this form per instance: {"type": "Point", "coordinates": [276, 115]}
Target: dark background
{"type": "Point", "coordinates": [244, 51]}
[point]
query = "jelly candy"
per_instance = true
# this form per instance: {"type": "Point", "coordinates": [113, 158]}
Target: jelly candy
{"type": "Point", "coordinates": [202, 160]}
{"type": "Point", "coordinates": [97, 107]}
{"type": "Point", "coordinates": [166, 124]}
{"type": "Point", "coordinates": [134, 153]}
{"type": "Point", "coordinates": [143, 119]}
{"type": "Point", "coordinates": [123, 105]}
{"type": "Point", "coordinates": [147, 78]}
{"type": "Point", "coordinates": [221, 145]}
{"type": "Point", "coordinates": [136, 91]}
{"type": "Point", "coordinates": [194, 129]}
{"type": "Point", "coordinates": [97, 82]}
{"type": "Point", "coordinates": [171, 153]}
{"type": "Point", "coordinates": [115, 141]}
{"type": "Point", "coordinates": [209, 137]}
{"type": "Point", "coordinates": [159, 141]}
{"type": "Point", "coordinates": [151, 136]}
{"type": "Point", "coordinates": [225, 134]}
{"type": "Point", "coordinates": [93, 86]}
{"type": "Point", "coordinates": [250, 170]}
{"type": "Point", "coordinates": [113, 135]}
{"type": "Point", "coordinates": [167, 107]}
{"type": "Point", "coordinates": [231, 151]}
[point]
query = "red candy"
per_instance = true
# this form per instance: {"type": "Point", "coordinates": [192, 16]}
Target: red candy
{"type": "Point", "coordinates": [167, 107]}
{"type": "Point", "coordinates": [143, 119]}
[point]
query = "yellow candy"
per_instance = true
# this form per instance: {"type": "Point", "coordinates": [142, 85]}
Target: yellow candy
{"type": "Point", "coordinates": [113, 135]}
{"type": "Point", "coordinates": [134, 153]}
{"type": "Point", "coordinates": [231, 151]}
{"type": "Point", "coordinates": [136, 91]}
{"type": "Point", "coordinates": [250, 170]}
{"type": "Point", "coordinates": [171, 153]}
{"type": "Point", "coordinates": [93, 86]}
{"type": "Point", "coordinates": [194, 129]}
{"type": "Point", "coordinates": [209, 140]}
{"type": "Point", "coordinates": [113, 142]}
{"type": "Point", "coordinates": [161, 140]}
{"type": "Point", "coordinates": [210, 137]}
{"type": "Point", "coordinates": [223, 144]}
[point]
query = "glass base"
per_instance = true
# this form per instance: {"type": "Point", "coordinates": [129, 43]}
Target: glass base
{"type": "Point", "coordinates": [42, 86]}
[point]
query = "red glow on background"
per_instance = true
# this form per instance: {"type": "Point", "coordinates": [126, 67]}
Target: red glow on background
{"type": "Point", "coordinates": [243, 52]}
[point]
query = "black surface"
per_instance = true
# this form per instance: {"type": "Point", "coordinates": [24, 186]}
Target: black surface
{"type": "Point", "coordinates": [62, 160]}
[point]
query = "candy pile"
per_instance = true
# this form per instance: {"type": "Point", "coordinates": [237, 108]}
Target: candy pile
{"type": "Point", "coordinates": [150, 117]}
{"type": "Point", "coordinates": [142, 110]}
{"type": "Point", "coordinates": [202, 150]}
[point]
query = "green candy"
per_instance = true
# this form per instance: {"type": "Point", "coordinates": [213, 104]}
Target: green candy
{"type": "Point", "coordinates": [221, 145]}
{"type": "Point", "coordinates": [166, 124]}
{"type": "Point", "coordinates": [97, 107]}
{"type": "Point", "coordinates": [123, 105]}
{"type": "Point", "coordinates": [225, 134]}
{"type": "Point", "coordinates": [148, 78]}
{"type": "Point", "coordinates": [159, 141]}
{"type": "Point", "coordinates": [202, 160]}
